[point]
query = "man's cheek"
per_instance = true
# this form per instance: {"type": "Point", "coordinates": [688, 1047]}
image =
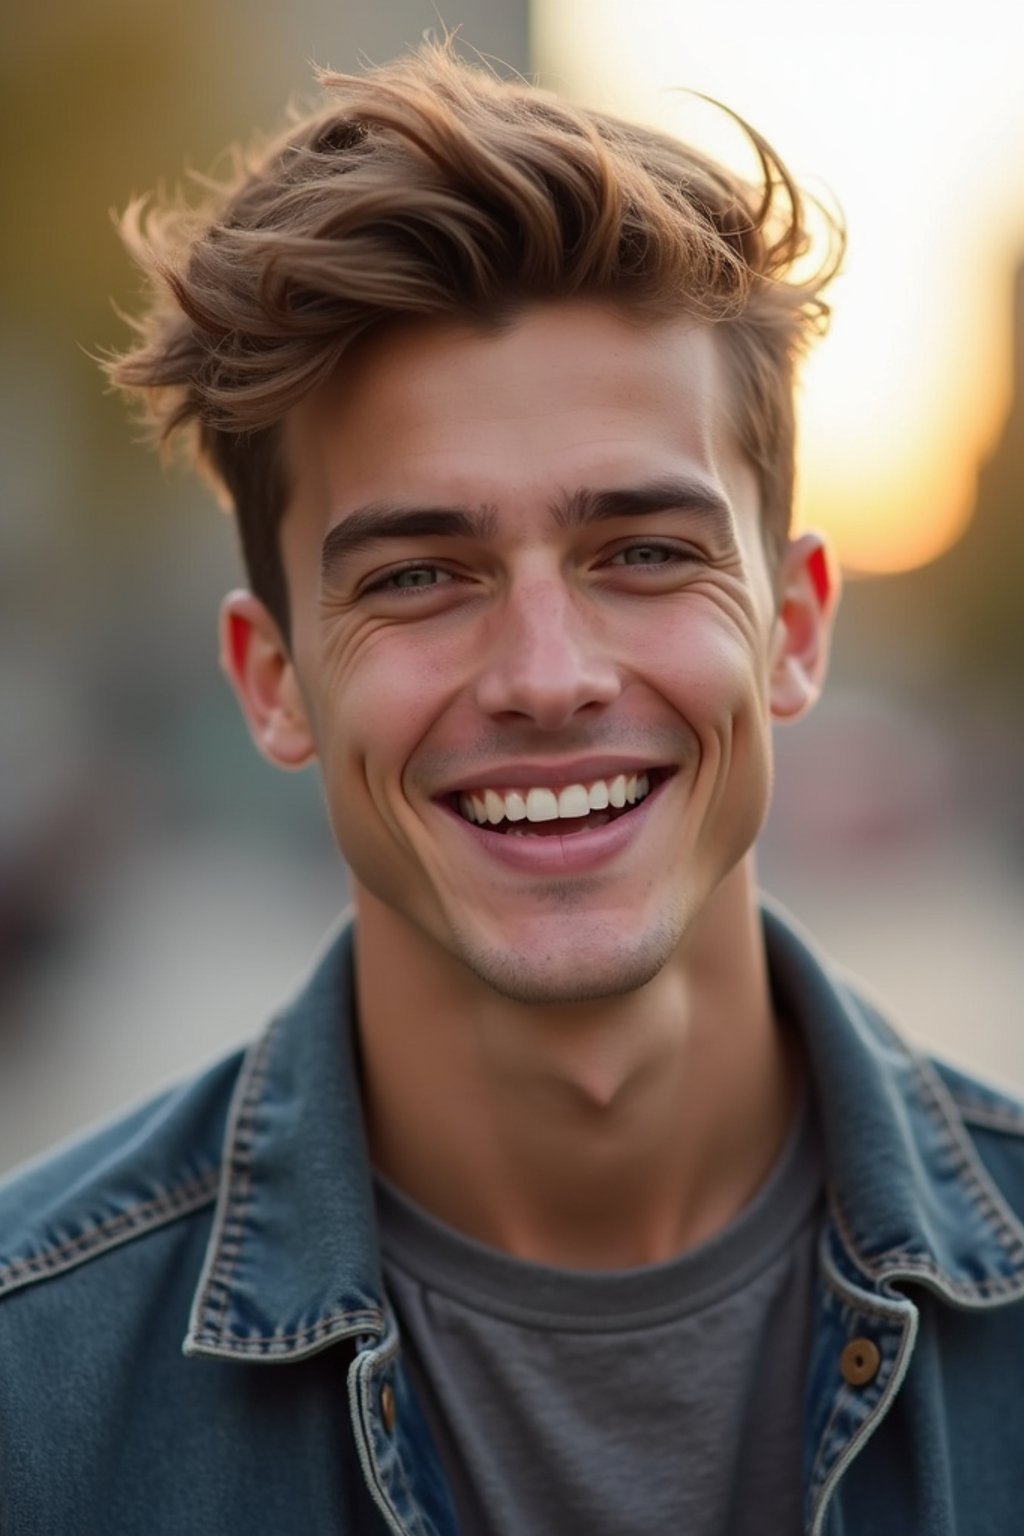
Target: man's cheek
{"type": "Point", "coordinates": [362, 786]}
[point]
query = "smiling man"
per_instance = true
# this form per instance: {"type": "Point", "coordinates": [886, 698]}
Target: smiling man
{"type": "Point", "coordinates": [574, 1193]}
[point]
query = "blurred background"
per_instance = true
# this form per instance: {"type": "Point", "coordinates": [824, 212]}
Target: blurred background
{"type": "Point", "coordinates": [161, 888]}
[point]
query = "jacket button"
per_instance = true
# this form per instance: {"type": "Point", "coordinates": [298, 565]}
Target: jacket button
{"type": "Point", "coordinates": [387, 1406]}
{"type": "Point", "coordinates": [859, 1362]}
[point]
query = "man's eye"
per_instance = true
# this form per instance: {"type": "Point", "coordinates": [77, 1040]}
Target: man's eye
{"type": "Point", "coordinates": [411, 578]}
{"type": "Point", "coordinates": [646, 554]}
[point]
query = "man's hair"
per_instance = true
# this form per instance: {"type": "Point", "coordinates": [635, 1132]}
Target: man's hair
{"type": "Point", "coordinates": [430, 187]}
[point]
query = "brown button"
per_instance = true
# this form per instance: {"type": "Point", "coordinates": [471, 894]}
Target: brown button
{"type": "Point", "coordinates": [387, 1406]}
{"type": "Point", "coordinates": [859, 1362]}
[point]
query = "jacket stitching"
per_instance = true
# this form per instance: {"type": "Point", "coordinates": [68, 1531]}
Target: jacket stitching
{"type": "Point", "coordinates": [827, 1484]}
{"type": "Point", "coordinates": [883, 1312]}
{"type": "Point", "coordinates": [894, 1261]}
{"type": "Point", "coordinates": [976, 1175]}
{"type": "Point", "coordinates": [238, 1184]}
{"type": "Point", "coordinates": [842, 1401]}
{"type": "Point", "coordinates": [228, 1234]}
{"type": "Point", "coordinates": [860, 1307]}
{"type": "Point", "coordinates": [411, 1501]}
{"type": "Point", "coordinates": [975, 1184]}
{"type": "Point", "coordinates": [990, 1116]}
{"type": "Point", "coordinates": [271, 1343]}
{"type": "Point", "coordinates": [819, 1470]}
{"type": "Point", "coordinates": [180, 1200]}
{"type": "Point", "coordinates": [384, 1356]}
{"type": "Point", "coordinates": [914, 1264]}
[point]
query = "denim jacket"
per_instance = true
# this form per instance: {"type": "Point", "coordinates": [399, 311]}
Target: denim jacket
{"type": "Point", "coordinates": [194, 1335]}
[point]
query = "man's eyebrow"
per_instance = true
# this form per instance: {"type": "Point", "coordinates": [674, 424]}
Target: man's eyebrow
{"type": "Point", "coordinates": [672, 494]}
{"type": "Point", "coordinates": [380, 521]}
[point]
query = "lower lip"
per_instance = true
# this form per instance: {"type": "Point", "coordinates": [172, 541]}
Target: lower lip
{"type": "Point", "coordinates": [576, 853]}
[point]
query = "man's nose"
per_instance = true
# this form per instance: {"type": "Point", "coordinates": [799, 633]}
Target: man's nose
{"type": "Point", "coordinates": [546, 660]}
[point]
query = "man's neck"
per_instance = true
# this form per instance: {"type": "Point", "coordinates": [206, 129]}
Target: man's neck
{"type": "Point", "coordinates": [596, 1136]}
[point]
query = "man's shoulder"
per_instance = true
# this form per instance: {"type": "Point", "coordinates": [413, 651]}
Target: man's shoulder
{"type": "Point", "coordinates": [988, 1116]}
{"type": "Point", "coordinates": [152, 1165]}
{"type": "Point", "coordinates": [991, 1112]}
{"type": "Point", "coordinates": [107, 1420]}
{"type": "Point", "coordinates": [906, 1136]}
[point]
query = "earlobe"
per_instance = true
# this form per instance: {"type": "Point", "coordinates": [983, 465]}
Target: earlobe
{"type": "Point", "coordinates": [808, 598]}
{"type": "Point", "coordinates": [259, 667]}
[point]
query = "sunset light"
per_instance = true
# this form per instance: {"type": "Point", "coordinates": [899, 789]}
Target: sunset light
{"type": "Point", "coordinates": [911, 118]}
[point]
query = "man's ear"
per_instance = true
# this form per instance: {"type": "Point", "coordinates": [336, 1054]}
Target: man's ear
{"type": "Point", "coordinates": [258, 665]}
{"type": "Point", "coordinates": [809, 587]}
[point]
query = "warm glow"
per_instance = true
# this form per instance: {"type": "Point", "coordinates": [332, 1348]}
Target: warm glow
{"type": "Point", "coordinates": [913, 119]}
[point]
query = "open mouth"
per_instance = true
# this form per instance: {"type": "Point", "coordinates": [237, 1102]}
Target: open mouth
{"type": "Point", "coordinates": [543, 811]}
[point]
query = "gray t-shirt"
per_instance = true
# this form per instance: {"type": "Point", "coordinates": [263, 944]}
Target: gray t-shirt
{"type": "Point", "coordinates": [625, 1403]}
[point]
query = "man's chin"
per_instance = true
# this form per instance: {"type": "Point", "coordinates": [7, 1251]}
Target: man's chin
{"type": "Point", "coordinates": [562, 976]}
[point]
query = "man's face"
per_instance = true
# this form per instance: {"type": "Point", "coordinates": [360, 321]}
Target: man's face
{"type": "Point", "coordinates": [527, 579]}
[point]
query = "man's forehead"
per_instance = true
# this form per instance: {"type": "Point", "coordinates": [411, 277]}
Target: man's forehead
{"type": "Point", "coordinates": [441, 407]}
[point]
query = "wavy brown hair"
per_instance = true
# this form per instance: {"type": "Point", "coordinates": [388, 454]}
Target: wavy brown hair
{"type": "Point", "coordinates": [430, 187]}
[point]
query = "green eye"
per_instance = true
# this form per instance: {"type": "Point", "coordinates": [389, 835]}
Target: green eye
{"type": "Point", "coordinates": [408, 580]}
{"type": "Point", "coordinates": [644, 554]}
{"type": "Point", "coordinates": [416, 576]}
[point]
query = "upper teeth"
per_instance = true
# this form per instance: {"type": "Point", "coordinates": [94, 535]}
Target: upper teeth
{"type": "Point", "coordinates": [492, 806]}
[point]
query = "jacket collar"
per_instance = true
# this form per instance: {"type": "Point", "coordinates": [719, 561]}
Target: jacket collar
{"type": "Point", "coordinates": [910, 1198]}
{"type": "Point", "coordinates": [292, 1264]}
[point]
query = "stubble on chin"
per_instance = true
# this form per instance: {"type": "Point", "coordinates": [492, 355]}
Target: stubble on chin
{"type": "Point", "coordinates": [606, 966]}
